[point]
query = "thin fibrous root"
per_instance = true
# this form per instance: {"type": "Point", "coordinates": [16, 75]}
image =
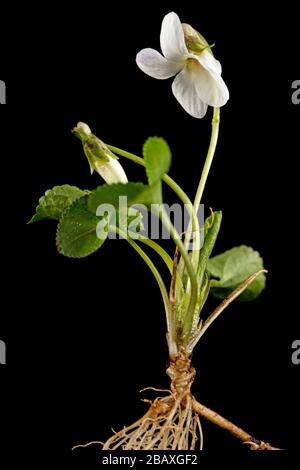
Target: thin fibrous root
{"type": "Point", "coordinates": [169, 424]}
{"type": "Point", "coordinates": [173, 422]}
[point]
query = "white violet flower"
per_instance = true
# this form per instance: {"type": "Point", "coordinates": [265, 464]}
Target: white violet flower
{"type": "Point", "coordinates": [100, 158]}
{"type": "Point", "coordinates": [199, 83]}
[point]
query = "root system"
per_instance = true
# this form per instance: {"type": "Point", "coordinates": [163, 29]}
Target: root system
{"type": "Point", "coordinates": [173, 422]}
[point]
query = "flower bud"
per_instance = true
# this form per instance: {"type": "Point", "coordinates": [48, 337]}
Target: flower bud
{"type": "Point", "coordinates": [82, 131]}
{"type": "Point", "coordinates": [100, 158]}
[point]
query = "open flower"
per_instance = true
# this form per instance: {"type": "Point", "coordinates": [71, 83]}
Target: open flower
{"type": "Point", "coordinates": [186, 53]}
{"type": "Point", "coordinates": [100, 158]}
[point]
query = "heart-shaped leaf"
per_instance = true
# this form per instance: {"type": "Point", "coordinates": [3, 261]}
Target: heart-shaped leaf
{"type": "Point", "coordinates": [76, 235]}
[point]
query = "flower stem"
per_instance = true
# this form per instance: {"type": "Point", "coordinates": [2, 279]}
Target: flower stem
{"type": "Point", "coordinates": [123, 153]}
{"type": "Point", "coordinates": [185, 199]}
{"type": "Point", "coordinates": [159, 250]}
{"type": "Point", "coordinates": [169, 181]}
{"type": "Point", "coordinates": [193, 288]}
{"type": "Point", "coordinates": [164, 256]}
{"type": "Point", "coordinates": [162, 287]}
{"type": "Point", "coordinates": [209, 158]}
{"type": "Point", "coordinates": [188, 319]}
{"type": "Point", "coordinates": [206, 168]}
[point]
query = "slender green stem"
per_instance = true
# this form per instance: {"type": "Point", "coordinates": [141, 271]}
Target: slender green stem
{"type": "Point", "coordinates": [165, 257]}
{"type": "Point", "coordinates": [188, 319]}
{"type": "Point", "coordinates": [194, 223]}
{"type": "Point", "coordinates": [170, 321]}
{"type": "Point", "coordinates": [166, 178]}
{"type": "Point", "coordinates": [159, 250]}
{"type": "Point", "coordinates": [129, 155]}
{"type": "Point", "coordinates": [206, 168]}
{"type": "Point", "coordinates": [209, 158]}
{"type": "Point", "coordinates": [185, 199]}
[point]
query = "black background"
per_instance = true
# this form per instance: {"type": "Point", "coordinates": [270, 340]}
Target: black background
{"type": "Point", "coordinates": [84, 336]}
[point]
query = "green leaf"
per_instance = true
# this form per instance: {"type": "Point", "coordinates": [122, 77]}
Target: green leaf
{"type": "Point", "coordinates": [232, 267]}
{"type": "Point", "coordinates": [157, 156]}
{"type": "Point", "coordinates": [136, 193]}
{"type": "Point", "coordinates": [55, 202]}
{"type": "Point", "coordinates": [76, 232]}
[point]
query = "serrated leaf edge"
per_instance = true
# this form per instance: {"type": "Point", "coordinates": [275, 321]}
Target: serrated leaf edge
{"type": "Point", "coordinates": [144, 150]}
{"type": "Point", "coordinates": [58, 228]}
{"type": "Point", "coordinates": [40, 201]}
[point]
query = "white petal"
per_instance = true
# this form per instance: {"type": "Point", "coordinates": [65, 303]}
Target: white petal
{"type": "Point", "coordinates": [209, 85]}
{"type": "Point", "coordinates": [111, 171]}
{"type": "Point", "coordinates": [185, 92]}
{"type": "Point", "coordinates": [154, 64]}
{"type": "Point", "coordinates": [172, 38]}
{"type": "Point", "coordinates": [84, 128]}
{"type": "Point", "coordinates": [209, 62]}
